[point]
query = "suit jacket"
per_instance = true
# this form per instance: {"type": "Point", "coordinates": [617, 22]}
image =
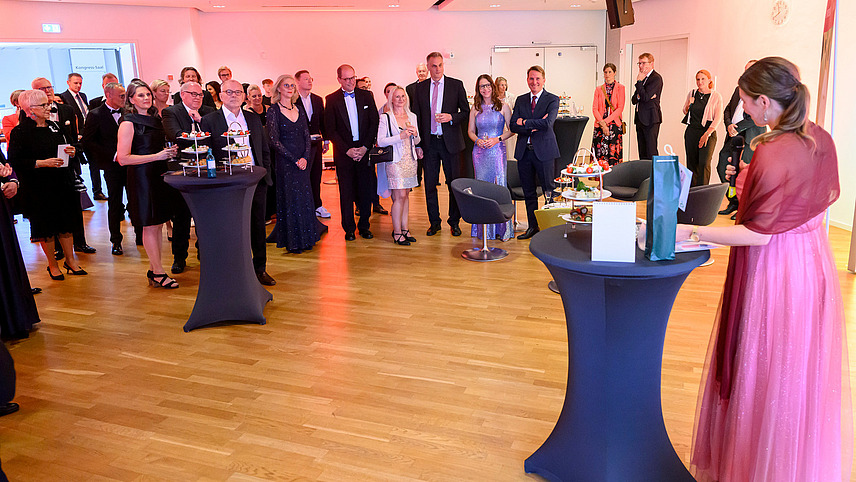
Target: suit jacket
{"type": "Point", "coordinates": [599, 105]}
{"type": "Point", "coordinates": [454, 103]}
{"type": "Point", "coordinates": [207, 100]}
{"type": "Point", "coordinates": [96, 102]}
{"type": "Point", "coordinates": [337, 124]}
{"type": "Point", "coordinates": [67, 121]}
{"type": "Point", "coordinates": [215, 123]}
{"type": "Point", "coordinates": [176, 119]}
{"type": "Point", "coordinates": [543, 138]}
{"type": "Point", "coordinates": [646, 98]}
{"type": "Point", "coordinates": [70, 101]}
{"type": "Point", "coordinates": [99, 137]}
{"type": "Point", "coordinates": [411, 94]}
{"type": "Point", "coordinates": [316, 122]}
{"type": "Point", "coordinates": [745, 127]}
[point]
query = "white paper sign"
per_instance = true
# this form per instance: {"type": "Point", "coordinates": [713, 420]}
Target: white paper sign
{"type": "Point", "coordinates": [613, 232]}
{"type": "Point", "coordinates": [60, 153]}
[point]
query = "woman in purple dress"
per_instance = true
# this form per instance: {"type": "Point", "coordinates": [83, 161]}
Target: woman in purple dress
{"type": "Point", "coordinates": [488, 128]}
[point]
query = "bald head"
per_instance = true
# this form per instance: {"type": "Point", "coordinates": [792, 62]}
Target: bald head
{"type": "Point", "coordinates": [232, 95]}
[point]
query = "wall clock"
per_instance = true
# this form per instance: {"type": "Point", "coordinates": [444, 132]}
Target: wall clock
{"type": "Point", "coordinates": [780, 12]}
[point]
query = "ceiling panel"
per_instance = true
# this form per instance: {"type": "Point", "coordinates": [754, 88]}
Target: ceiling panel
{"type": "Point", "coordinates": [485, 5]}
{"type": "Point", "coordinates": [276, 5]}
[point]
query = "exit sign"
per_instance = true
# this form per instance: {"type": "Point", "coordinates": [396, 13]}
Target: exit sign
{"type": "Point", "coordinates": [51, 28]}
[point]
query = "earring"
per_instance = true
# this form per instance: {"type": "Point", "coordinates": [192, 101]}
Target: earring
{"type": "Point", "coordinates": [765, 116]}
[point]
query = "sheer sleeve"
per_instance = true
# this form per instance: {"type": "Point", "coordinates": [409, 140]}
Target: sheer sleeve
{"type": "Point", "coordinates": [307, 140]}
{"type": "Point", "coordinates": [273, 125]}
{"type": "Point", "coordinates": [790, 181]}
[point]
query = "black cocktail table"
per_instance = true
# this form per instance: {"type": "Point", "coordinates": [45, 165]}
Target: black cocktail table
{"type": "Point", "coordinates": [611, 427]}
{"type": "Point", "coordinates": [228, 287]}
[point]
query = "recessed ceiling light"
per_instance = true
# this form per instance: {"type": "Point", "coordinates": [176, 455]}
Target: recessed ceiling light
{"type": "Point", "coordinates": [495, 5]}
{"type": "Point", "coordinates": [576, 6]}
{"type": "Point", "coordinates": [393, 5]}
{"type": "Point", "coordinates": [218, 6]}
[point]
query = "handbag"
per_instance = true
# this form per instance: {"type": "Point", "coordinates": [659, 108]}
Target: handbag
{"type": "Point", "coordinates": [686, 119]}
{"type": "Point", "coordinates": [609, 103]}
{"type": "Point", "coordinates": [379, 154]}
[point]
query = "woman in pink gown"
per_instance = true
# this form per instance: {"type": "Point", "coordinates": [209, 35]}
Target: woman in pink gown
{"type": "Point", "coordinates": [774, 403]}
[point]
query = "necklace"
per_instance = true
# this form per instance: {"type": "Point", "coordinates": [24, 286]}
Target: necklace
{"type": "Point", "coordinates": [287, 108]}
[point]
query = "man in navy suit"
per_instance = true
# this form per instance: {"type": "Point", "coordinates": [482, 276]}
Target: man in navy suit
{"type": "Point", "coordinates": [76, 99]}
{"type": "Point", "coordinates": [218, 122]}
{"type": "Point", "coordinates": [441, 108]}
{"type": "Point", "coordinates": [646, 98]}
{"type": "Point", "coordinates": [350, 122]}
{"type": "Point", "coordinates": [537, 149]}
{"type": "Point", "coordinates": [313, 107]}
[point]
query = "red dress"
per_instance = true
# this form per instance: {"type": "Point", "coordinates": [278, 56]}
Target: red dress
{"type": "Point", "coordinates": [774, 405]}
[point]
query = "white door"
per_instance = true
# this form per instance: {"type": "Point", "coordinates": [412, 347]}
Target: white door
{"type": "Point", "coordinates": [670, 60]}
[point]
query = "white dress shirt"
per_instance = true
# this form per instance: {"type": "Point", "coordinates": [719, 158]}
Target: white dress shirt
{"type": "Point", "coordinates": [307, 105]}
{"type": "Point", "coordinates": [353, 117]}
{"type": "Point", "coordinates": [738, 113]}
{"type": "Point", "coordinates": [240, 119]}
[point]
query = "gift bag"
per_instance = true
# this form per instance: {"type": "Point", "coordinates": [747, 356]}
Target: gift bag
{"type": "Point", "coordinates": [663, 194]}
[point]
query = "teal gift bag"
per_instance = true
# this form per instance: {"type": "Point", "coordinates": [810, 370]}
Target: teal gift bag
{"type": "Point", "coordinates": [664, 192]}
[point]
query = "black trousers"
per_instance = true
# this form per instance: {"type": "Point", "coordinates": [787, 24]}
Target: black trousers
{"type": "Point", "coordinates": [257, 227]}
{"type": "Point", "coordinates": [180, 226]}
{"type": "Point", "coordinates": [355, 185]}
{"type": "Point", "coordinates": [436, 155]}
{"type": "Point", "coordinates": [724, 154]}
{"type": "Point", "coordinates": [533, 171]}
{"type": "Point", "coordinates": [646, 139]}
{"type": "Point", "coordinates": [698, 159]}
{"type": "Point", "coordinates": [316, 165]}
{"type": "Point", "coordinates": [95, 177]}
{"type": "Point", "coordinates": [117, 183]}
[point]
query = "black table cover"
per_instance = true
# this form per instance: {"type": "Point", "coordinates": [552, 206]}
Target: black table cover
{"type": "Point", "coordinates": [569, 131]}
{"type": "Point", "coordinates": [228, 287]}
{"type": "Point", "coordinates": [611, 426]}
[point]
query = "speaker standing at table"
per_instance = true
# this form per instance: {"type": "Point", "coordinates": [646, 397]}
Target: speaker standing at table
{"type": "Point", "coordinates": [646, 98]}
{"type": "Point", "coordinates": [775, 402]}
{"type": "Point", "coordinates": [536, 151]}
{"type": "Point", "coordinates": [219, 122]}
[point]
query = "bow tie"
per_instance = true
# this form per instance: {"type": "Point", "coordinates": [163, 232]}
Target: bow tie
{"type": "Point", "coordinates": [115, 111]}
{"type": "Point", "coordinates": [349, 94]}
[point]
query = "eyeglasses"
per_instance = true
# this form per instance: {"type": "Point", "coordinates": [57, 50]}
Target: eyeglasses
{"type": "Point", "coordinates": [232, 92]}
{"type": "Point", "coordinates": [350, 79]}
{"type": "Point", "coordinates": [45, 89]}
{"type": "Point", "coordinates": [484, 86]}
{"type": "Point", "coordinates": [293, 86]}
{"type": "Point", "coordinates": [194, 94]}
{"type": "Point", "coordinates": [43, 106]}
{"type": "Point", "coordinates": [642, 62]}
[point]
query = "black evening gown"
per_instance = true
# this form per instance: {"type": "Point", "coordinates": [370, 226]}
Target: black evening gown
{"type": "Point", "coordinates": [296, 225]}
{"type": "Point", "coordinates": [148, 194]}
{"type": "Point", "coordinates": [18, 311]}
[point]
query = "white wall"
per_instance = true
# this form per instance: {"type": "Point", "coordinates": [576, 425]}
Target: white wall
{"type": "Point", "coordinates": [724, 35]}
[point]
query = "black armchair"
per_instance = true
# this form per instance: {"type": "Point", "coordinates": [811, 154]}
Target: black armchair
{"type": "Point", "coordinates": [482, 202]}
{"type": "Point", "coordinates": [629, 180]}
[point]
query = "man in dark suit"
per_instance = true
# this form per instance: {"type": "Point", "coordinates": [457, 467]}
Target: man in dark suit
{"type": "Point", "coordinates": [77, 100]}
{"type": "Point", "coordinates": [350, 122]}
{"type": "Point", "coordinates": [105, 79]}
{"type": "Point", "coordinates": [190, 74]}
{"type": "Point", "coordinates": [646, 98]}
{"type": "Point", "coordinates": [737, 123]}
{"type": "Point", "coordinates": [421, 74]}
{"type": "Point", "coordinates": [179, 118]}
{"type": "Point", "coordinates": [99, 144]}
{"type": "Point", "coordinates": [64, 116]}
{"type": "Point", "coordinates": [441, 109]}
{"type": "Point", "coordinates": [217, 122]}
{"type": "Point", "coordinates": [313, 107]}
{"type": "Point", "coordinates": [536, 152]}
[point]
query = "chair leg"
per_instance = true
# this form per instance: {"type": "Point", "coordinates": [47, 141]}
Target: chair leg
{"type": "Point", "coordinates": [485, 253]}
{"type": "Point", "coordinates": [553, 287]}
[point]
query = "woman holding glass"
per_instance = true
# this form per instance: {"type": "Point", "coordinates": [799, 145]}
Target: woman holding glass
{"type": "Point", "coordinates": [703, 113]}
{"type": "Point", "coordinates": [50, 200]}
{"type": "Point", "coordinates": [607, 108]}
{"type": "Point", "coordinates": [141, 142]}
{"type": "Point", "coordinates": [488, 128]}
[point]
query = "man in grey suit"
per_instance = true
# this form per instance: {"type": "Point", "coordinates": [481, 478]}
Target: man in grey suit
{"type": "Point", "coordinates": [536, 152]}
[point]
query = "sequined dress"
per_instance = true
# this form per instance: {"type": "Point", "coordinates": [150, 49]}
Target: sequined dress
{"type": "Point", "coordinates": [490, 164]}
{"type": "Point", "coordinates": [296, 226]}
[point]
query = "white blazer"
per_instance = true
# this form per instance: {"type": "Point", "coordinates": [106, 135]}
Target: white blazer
{"type": "Point", "coordinates": [386, 138]}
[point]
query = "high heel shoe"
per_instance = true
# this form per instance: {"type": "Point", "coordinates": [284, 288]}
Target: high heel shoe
{"type": "Point", "coordinates": [407, 236]}
{"type": "Point", "coordinates": [79, 272]}
{"type": "Point", "coordinates": [161, 280]}
{"type": "Point", "coordinates": [55, 278]}
{"type": "Point", "coordinates": [398, 238]}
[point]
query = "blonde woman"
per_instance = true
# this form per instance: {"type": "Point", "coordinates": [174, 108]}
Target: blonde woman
{"type": "Point", "coordinates": [704, 111]}
{"type": "Point", "coordinates": [160, 90]}
{"type": "Point", "coordinates": [397, 128]}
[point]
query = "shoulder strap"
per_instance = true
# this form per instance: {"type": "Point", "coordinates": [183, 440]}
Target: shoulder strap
{"type": "Point", "coordinates": [608, 101]}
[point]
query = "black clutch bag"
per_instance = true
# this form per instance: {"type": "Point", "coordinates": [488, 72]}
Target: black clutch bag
{"type": "Point", "coordinates": [378, 155]}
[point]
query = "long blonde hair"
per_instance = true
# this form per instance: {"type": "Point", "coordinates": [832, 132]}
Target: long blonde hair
{"type": "Point", "coordinates": [275, 96]}
{"type": "Point", "coordinates": [406, 100]}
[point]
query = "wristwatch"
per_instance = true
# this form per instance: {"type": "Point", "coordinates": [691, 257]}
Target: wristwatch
{"type": "Point", "coordinates": [694, 235]}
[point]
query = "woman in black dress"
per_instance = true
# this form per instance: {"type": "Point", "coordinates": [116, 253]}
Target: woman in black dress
{"type": "Point", "coordinates": [704, 111]}
{"type": "Point", "coordinates": [140, 146]}
{"type": "Point", "coordinates": [50, 201]}
{"type": "Point", "coordinates": [18, 311]}
{"type": "Point", "coordinates": [296, 226]}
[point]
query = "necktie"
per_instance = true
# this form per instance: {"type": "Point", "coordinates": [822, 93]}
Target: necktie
{"type": "Point", "coordinates": [534, 101]}
{"type": "Point", "coordinates": [80, 104]}
{"type": "Point", "coordinates": [434, 125]}
{"type": "Point", "coordinates": [349, 94]}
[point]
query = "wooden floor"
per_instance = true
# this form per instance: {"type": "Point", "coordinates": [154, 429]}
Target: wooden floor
{"type": "Point", "coordinates": [378, 362]}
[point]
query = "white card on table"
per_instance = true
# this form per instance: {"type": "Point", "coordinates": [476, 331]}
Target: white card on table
{"type": "Point", "coordinates": [613, 235]}
{"type": "Point", "coordinates": [60, 153]}
{"type": "Point", "coordinates": [686, 180]}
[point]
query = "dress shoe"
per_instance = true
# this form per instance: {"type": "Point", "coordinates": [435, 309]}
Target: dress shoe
{"type": "Point", "coordinates": [99, 196]}
{"type": "Point", "coordinates": [265, 279]}
{"type": "Point", "coordinates": [178, 267]}
{"type": "Point", "coordinates": [350, 236]}
{"type": "Point", "coordinates": [434, 229]}
{"type": "Point", "coordinates": [321, 212]}
{"type": "Point", "coordinates": [84, 248]}
{"type": "Point", "coordinates": [734, 217]}
{"type": "Point", "coordinates": [729, 209]}
{"type": "Point", "coordinates": [366, 234]}
{"type": "Point", "coordinates": [456, 230]}
{"type": "Point", "coordinates": [35, 291]}
{"type": "Point", "coordinates": [407, 236]}
{"type": "Point", "coordinates": [380, 210]}
{"type": "Point", "coordinates": [7, 408]}
{"type": "Point", "coordinates": [58, 254]}
{"type": "Point", "coordinates": [76, 272]}
{"type": "Point", "coordinates": [117, 249]}
{"type": "Point", "coordinates": [529, 233]}
{"type": "Point", "coordinates": [139, 241]}
{"type": "Point", "coordinates": [56, 278]}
